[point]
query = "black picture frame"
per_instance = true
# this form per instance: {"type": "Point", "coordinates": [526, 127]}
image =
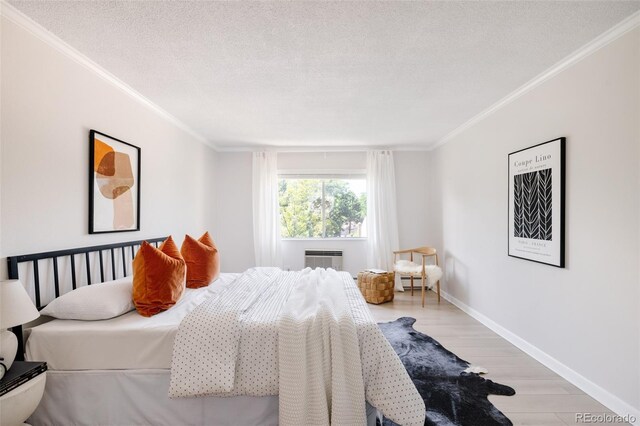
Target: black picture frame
{"type": "Point", "coordinates": [536, 203]}
{"type": "Point", "coordinates": [94, 226]}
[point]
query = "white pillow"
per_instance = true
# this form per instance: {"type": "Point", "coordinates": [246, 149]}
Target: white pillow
{"type": "Point", "coordinates": [94, 302]}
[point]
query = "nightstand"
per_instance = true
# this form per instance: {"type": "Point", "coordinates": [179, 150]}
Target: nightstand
{"type": "Point", "coordinates": [21, 390]}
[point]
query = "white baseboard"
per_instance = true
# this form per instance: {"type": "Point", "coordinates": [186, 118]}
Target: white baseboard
{"type": "Point", "coordinates": [600, 394]}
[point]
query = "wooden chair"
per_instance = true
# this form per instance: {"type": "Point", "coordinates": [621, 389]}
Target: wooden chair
{"type": "Point", "coordinates": [412, 269]}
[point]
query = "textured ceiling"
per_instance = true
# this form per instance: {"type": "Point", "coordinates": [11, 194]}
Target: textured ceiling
{"type": "Point", "coordinates": [326, 73]}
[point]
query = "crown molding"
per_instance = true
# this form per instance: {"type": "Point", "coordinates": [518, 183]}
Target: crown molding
{"type": "Point", "coordinates": [303, 148]}
{"type": "Point", "coordinates": [599, 42]}
{"type": "Point", "coordinates": [285, 148]}
{"type": "Point", "coordinates": [17, 17]}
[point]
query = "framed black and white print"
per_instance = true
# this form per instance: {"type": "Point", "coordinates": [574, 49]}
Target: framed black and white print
{"type": "Point", "coordinates": [114, 184]}
{"type": "Point", "coordinates": [536, 203]}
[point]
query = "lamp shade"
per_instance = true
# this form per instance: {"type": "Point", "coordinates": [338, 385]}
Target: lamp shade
{"type": "Point", "coordinates": [16, 307]}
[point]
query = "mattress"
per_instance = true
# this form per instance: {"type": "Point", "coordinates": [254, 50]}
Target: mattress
{"type": "Point", "coordinates": [127, 342]}
{"type": "Point", "coordinates": [139, 397]}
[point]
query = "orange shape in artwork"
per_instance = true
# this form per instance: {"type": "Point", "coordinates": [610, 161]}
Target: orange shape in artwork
{"type": "Point", "coordinates": [107, 166]}
{"type": "Point", "coordinates": [100, 149]}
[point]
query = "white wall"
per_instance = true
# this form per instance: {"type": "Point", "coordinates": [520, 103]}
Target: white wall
{"type": "Point", "coordinates": [49, 103]}
{"type": "Point", "coordinates": [234, 232]}
{"type": "Point", "coordinates": [586, 316]}
{"type": "Point", "coordinates": [322, 160]}
{"type": "Point", "coordinates": [414, 189]}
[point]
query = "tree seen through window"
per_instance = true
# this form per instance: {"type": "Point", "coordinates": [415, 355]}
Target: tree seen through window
{"type": "Point", "coordinates": [322, 208]}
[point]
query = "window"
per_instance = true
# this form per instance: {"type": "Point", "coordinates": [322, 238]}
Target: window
{"type": "Point", "coordinates": [322, 207]}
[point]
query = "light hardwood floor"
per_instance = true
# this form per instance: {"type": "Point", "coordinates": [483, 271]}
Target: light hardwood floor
{"type": "Point", "coordinates": [542, 397]}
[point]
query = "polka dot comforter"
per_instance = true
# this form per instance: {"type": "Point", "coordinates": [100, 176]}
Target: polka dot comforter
{"type": "Point", "coordinates": [294, 334]}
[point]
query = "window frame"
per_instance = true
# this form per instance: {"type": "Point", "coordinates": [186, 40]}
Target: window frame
{"type": "Point", "coordinates": [322, 174]}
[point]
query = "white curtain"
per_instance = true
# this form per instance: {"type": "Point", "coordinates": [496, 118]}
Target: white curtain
{"type": "Point", "coordinates": [382, 217]}
{"type": "Point", "coordinates": [266, 210]}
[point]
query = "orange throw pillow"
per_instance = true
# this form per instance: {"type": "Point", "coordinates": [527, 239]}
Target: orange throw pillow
{"type": "Point", "coordinates": [203, 260]}
{"type": "Point", "coordinates": [158, 277]}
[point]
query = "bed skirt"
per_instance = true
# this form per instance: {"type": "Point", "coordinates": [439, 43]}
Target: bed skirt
{"type": "Point", "coordinates": [139, 397]}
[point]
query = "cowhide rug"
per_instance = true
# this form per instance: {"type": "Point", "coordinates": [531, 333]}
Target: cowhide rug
{"type": "Point", "coordinates": [451, 395]}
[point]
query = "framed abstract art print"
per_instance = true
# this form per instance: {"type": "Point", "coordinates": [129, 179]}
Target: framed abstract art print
{"type": "Point", "coordinates": [536, 203]}
{"type": "Point", "coordinates": [114, 184]}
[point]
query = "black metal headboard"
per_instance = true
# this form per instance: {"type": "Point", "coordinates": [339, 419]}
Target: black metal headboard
{"type": "Point", "coordinates": [54, 256]}
{"type": "Point", "coordinates": [71, 253]}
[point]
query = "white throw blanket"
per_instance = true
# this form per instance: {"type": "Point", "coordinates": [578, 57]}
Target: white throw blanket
{"type": "Point", "coordinates": [292, 333]}
{"type": "Point", "coordinates": [318, 339]}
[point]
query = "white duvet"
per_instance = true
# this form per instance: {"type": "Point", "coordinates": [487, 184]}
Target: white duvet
{"type": "Point", "coordinates": [294, 334]}
{"type": "Point", "coordinates": [127, 342]}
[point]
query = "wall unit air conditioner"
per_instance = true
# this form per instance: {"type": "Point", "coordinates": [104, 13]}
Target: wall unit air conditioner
{"type": "Point", "coordinates": [317, 258]}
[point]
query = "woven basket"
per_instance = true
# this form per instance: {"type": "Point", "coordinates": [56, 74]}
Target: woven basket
{"type": "Point", "coordinates": [376, 288]}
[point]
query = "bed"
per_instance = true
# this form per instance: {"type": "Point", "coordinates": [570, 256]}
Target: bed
{"type": "Point", "coordinates": [119, 371]}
